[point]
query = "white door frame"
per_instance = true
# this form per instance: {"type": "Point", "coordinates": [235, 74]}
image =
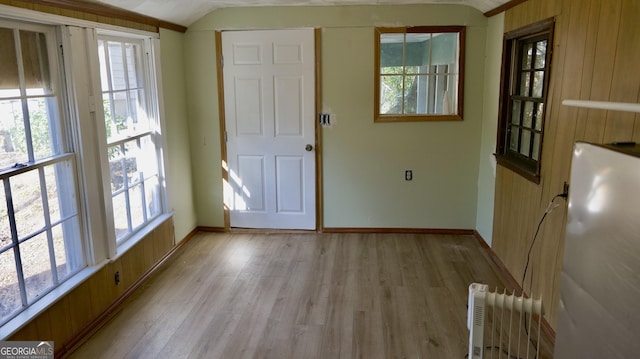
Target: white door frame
{"type": "Point", "coordinates": [318, 128]}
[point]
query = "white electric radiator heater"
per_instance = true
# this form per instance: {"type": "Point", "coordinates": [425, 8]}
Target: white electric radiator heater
{"type": "Point", "coordinates": [500, 324]}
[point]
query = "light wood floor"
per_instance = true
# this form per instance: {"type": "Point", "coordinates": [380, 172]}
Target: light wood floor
{"type": "Point", "coordinates": [302, 296]}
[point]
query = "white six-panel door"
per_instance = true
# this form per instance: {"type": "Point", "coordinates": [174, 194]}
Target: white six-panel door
{"type": "Point", "coordinates": [269, 96]}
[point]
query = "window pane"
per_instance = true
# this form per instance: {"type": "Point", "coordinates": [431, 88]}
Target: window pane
{"type": "Point", "coordinates": [137, 206]}
{"type": "Point", "coordinates": [527, 53]}
{"type": "Point", "coordinates": [527, 119]}
{"type": "Point", "coordinates": [40, 118]}
{"type": "Point", "coordinates": [116, 64]}
{"type": "Point", "coordinates": [9, 79]}
{"type": "Point", "coordinates": [5, 230]}
{"type": "Point", "coordinates": [513, 141]}
{"type": "Point", "coordinates": [524, 83]}
{"type": "Point", "coordinates": [422, 93]}
{"type": "Point", "coordinates": [536, 147]}
{"type": "Point", "coordinates": [391, 95]}
{"type": "Point", "coordinates": [147, 160]}
{"type": "Point", "coordinates": [139, 117]}
{"type": "Point", "coordinates": [152, 196]}
{"type": "Point", "coordinates": [12, 134]}
{"type": "Point", "coordinates": [36, 265]}
{"type": "Point", "coordinates": [444, 48]}
{"type": "Point", "coordinates": [131, 153]}
{"type": "Point", "coordinates": [525, 143]}
{"type": "Point", "coordinates": [61, 191]}
{"type": "Point", "coordinates": [116, 159]}
{"type": "Point", "coordinates": [132, 52]}
{"type": "Point", "coordinates": [394, 70]}
{"type": "Point", "coordinates": [541, 53]}
{"type": "Point", "coordinates": [515, 113]}
{"type": "Point", "coordinates": [418, 49]}
{"type": "Point", "coordinates": [538, 83]}
{"type": "Point", "coordinates": [410, 95]}
{"type": "Point", "coordinates": [539, 116]}
{"type": "Point", "coordinates": [68, 253]}
{"type": "Point", "coordinates": [27, 203]}
{"type": "Point", "coordinates": [450, 96]}
{"type": "Point", "coordinates": [391, 53]}
{"type": "Point", "coordinates": [414, 70]}
{"type": "Point", "coordinates": [120, 215]}
{"type": "Point", "coordinates": [444, 104]}
{"type": "Point", "coordinates": [9, 290]}
{"type": "Point", "coordinates": [119, 121]}
{"type": "Point", "coordinates": [36, 63]}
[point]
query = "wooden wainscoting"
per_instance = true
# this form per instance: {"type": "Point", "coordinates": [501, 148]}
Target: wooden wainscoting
{"type": "Point", "coordinates": [75, 316]}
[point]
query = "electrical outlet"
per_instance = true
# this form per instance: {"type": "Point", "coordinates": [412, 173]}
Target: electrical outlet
{"type": "Point", "coordinates": [116, 277]}
{"type": "Point", "coordinates": [565, 189]}
{"type": "Point", "coordinates": [408, 175]}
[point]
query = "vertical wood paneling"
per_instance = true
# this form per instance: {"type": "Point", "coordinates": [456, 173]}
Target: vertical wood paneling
{"type": "Point", "coordinates": [595, 57]}
{"type": "Point", "coordinates": [588, 65]}
{"type": "Point", "coordinates": [71, 314]}
{"type": "Point", "coordinates": [626, 83]}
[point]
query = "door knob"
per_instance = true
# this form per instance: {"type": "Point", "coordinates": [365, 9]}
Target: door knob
{"type": "Point", "coordinates": [308, 148]}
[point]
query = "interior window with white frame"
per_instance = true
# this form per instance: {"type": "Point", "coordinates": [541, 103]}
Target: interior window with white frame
{"type": "Point", "coordinates": [132, 136]}
{"type": "Point", "coordinates": [40, 221]}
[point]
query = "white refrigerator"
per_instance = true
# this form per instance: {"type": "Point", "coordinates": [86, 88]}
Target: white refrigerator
{"type": "Point", "coordinates": [599, 313]}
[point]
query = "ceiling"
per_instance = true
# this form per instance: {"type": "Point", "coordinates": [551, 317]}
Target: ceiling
{"type": "Point", "coordinates": [185, 12]}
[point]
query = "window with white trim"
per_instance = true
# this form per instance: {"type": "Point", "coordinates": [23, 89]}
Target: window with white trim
{"type": "Point", "coordinates": [132, 139]}
{"type": "Point", "coordinates": [67, 201]}
{"type": "Point", "coordinates": [40, 225]}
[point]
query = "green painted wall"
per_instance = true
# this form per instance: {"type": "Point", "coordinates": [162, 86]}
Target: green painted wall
{"type": "Point", "coordinates": [487, 173]}
{"type": "Point", "coordinates": [178, 154]}
{"type": "Point", "coordinates": [363, 161]}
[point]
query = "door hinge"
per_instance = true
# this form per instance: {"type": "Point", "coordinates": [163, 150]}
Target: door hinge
{"type": "Point", "coordinates": [226, 138]}
{"type": "Point", "coordinates": [221, 61]}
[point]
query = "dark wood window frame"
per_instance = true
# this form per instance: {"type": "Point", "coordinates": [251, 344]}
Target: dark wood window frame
{"type": "Point", "coordinates": [525, 155]}
{"type": "Point", "coordinates": [457, 116]}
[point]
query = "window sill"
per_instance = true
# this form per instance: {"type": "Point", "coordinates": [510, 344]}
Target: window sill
{"type": "Point", "coordinates": [139, 235]}
{"type": "Point", "coordinates": [417, 118]}
{"type": "Point", "coordinates": [520, 170]}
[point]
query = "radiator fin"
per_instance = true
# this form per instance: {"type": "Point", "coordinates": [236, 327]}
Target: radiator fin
{"type": "Point", "coordinates": [500, 324]}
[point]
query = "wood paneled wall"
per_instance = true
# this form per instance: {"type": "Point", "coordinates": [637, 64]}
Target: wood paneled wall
{"type": "Point", "coordinates": [596, 56]}
{"type": "Point", "coordinates": [66, 320]}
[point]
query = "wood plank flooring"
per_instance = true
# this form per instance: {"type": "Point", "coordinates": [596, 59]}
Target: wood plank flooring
{"type": "Point", "coordinates": [302, 296]}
